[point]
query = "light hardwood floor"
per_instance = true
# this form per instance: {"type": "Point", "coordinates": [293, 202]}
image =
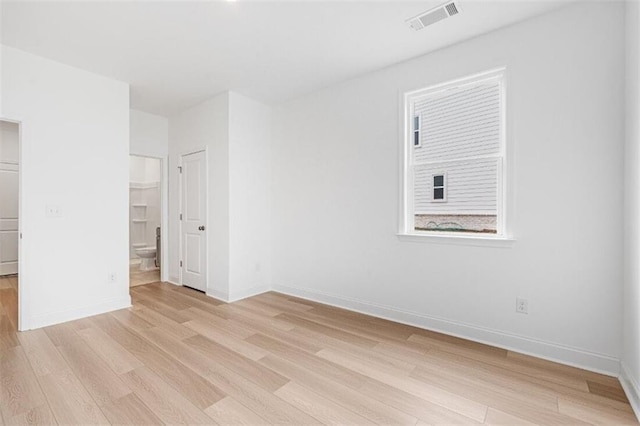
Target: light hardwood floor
{"type": "Point", "coordinates": [178, 356]}
{"type": "Point", "coordinates": [138, 277]}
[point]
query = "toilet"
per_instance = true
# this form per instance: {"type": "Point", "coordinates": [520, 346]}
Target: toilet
{"type": "Point", "coordinates": [147, 256]}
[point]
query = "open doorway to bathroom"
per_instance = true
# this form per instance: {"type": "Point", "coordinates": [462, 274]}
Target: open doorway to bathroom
{"type": "Point", "coordinates": [145, 216]}
{"type": "Point", "coordinates": [9, 223]}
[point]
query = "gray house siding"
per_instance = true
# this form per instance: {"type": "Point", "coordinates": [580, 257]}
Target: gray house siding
{"type": "Point", "coordinates": [459, 124]}
{"type": "Point", "coordinates": [456, 126]}
{"type": "Point", "coordinates": [471, 187]}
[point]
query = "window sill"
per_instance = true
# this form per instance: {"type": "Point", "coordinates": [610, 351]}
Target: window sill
{"type": "Point", "coordinates": [460, 239]}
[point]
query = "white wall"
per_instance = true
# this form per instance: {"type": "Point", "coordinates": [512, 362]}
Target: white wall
{"type": "Point", "coordinates": [250, 195]}
{"type": "Point", "coordinates": [9, 142]}
{"type": "Point", "coordinates": [237, 133]}
{"type": "Point", "coordinates": [1, 60]}
{"type": "Point", "coordinates": [149, 134]}
{"type": "Point", "coordinates": [75, 155]}
{"type": "Point", "coordinates": [144, 170]}
{"type": "Point", "coordinates": [203, 126]}
{"type": "Point", "coordinates": [335, 200]}
{"type": "Point", "coordinates": [9, 165]}
{"type": "Point", "coordinates": [144, 202]}
{"type": "Point", "coordinates": [631, 319]}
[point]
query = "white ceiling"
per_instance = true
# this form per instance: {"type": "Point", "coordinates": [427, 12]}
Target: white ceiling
{"type": "Point", "coordinates": [178, 53]}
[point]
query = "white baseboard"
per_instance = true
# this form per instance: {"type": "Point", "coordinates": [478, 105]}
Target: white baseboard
{"type": "Point", "coordinates": [218, 295]}
{"type": "Point", "coordinates": [238, 295]}
{"type": "Point", "coordinates": [8, 268]}
{"type": "Point", "coordinates": [574, 357]}
{"type": "Point", "coordinates": [250, 292]}
{"type": "Point", "coordinates": [51, 318]}
{"type": "Point", "coordinates": [226, 298]}
{"type": "Point", "coordinates": [223, 297]}
{"type": "Point", "coordinates": [631, 388]}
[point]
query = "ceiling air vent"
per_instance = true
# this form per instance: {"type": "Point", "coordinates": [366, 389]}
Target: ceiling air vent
{"type": "Point", "coordinates": [434, 15]}
{"type": "Point", "coordinates": [452, 9]}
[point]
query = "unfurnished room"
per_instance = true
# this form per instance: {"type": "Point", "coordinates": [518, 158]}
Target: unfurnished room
{"type": "Point", "coordinates": [256, 212]}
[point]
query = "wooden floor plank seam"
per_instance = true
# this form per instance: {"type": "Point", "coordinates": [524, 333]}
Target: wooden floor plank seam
{"type": "Point", "coordinates": [81, 383]}
{"type": "Point", "coordinates": [178, 356]}
{"type": "Point", "coordinates": [45, 394]}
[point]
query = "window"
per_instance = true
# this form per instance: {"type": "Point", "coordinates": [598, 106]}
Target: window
{"type": "Point", "coordinates": [416, 130]}
{"type": "Point", "coordinates": [439, 188]}
{"type": "Point", "coordinates": [454, 158]}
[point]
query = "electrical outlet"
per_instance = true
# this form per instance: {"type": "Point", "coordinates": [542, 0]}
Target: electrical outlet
{"type": "Point", "coordinates": [52, 211]}
{"type": "Point", "coordinates": [112, 277]}
{"type": "Point", "coordinates": [522, 306]}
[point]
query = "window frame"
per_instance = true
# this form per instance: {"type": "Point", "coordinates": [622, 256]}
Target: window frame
{"type": "Point", "coordinates": [417, 131]}
{"type": "Point", "coordinates": [406, 228]}
{"type": "Point", "coordinates": [443, 187]}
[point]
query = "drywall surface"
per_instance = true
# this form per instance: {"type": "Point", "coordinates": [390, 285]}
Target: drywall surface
{"type": "Point", "coordinates": [249, 197]}
{"type": "Point", "coordinates": [145, 202]}
{"type": "Point", "coordinates": [149, 134]}
{"type": "Point", "coordinates": [144, 170]}
{"type": "Point", "coordinates": [631, 309]}
{"type": "Point", "coordinates": [150, 138]}
{"type": "Point", "coordinates": [236, 131]}
{"type": "Point", "coordinates": [9, 142]}
{"type": "Point", "coordinates": [9, 167]}
{"type": "Point", "coordinates": [74, 159]}
{"type": "Point", "coordinates": [336, 192]}
{"type": "Point", "coordinates": [1, 59]}
{"type": "Point", "coordinates": [204, 126]}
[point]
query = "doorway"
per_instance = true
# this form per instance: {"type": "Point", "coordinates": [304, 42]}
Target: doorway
{"type": "Point", "coordinates": [193, 219]}
{"type": "Point", "coordinates": [9, 222]}
{"type": "Point", "coordinates": [145, 220]}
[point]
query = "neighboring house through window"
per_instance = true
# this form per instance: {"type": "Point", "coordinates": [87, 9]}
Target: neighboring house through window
{"type": "Point", "coordinates": [454, 157]}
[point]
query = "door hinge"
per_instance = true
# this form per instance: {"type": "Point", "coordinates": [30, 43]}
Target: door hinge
{"type": "Point", "coordinates": [180, 216]}
{"type": "Point", "coordinates": [181, 263]}
{"type": "Point", "coordinates": [180, 169]}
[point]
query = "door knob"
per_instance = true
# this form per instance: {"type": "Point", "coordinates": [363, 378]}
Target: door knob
{"type": "Point", "coordinates": [201, 228]}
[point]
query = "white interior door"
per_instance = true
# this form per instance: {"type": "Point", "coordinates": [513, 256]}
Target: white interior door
{"type": "Point", "coordinates": [194, 213]}
{"type": "Point", "coordinates": [8, 198]}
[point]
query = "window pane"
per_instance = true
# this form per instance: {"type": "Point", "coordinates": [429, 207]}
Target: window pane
{"type": "Point", "coordinates": [460, 213]}
{"type": "Point", "coordinates": [416, 138]}
{"type": "Point", "coordinates": [463, 122]}
{"type": "Point", "coordinates": [470, 116]}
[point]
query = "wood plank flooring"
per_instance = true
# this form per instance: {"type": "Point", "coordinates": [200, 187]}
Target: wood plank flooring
{"type": "Point", "coordinates": [138, 277]}
{"type": "Point", "coordinates": [178, 356]}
